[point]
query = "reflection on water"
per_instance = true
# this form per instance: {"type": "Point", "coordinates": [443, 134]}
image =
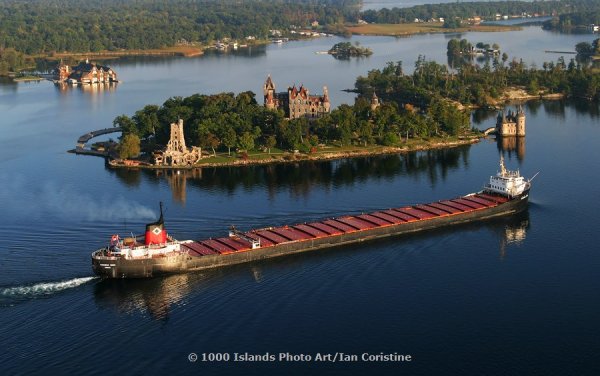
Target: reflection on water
{"type": "Point", "coordinates": [512, 145]}
{"type": "Point", "coordinates": [89, 89]}
{"type": "Point", "coordinates": [177, 181]}
{"type": "Point", "coordinates": [302, 177]}
{"type": "Point", "coordinates": [7, 84]}
{"type": "Point", "coordinates": [514, 233]}
{"type": "Point", "coordinates": [153, 296]}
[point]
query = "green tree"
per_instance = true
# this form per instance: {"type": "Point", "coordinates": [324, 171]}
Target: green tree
{"type": "Point", "coordinates": [390, 139]}
{"type": "Point", "coordinates": [229, 138]}
{"type": "Point", "coordinates": [270, 142]}
{"type": "Point", "coordinates": [127, 125]}
{"type": "Point", "coordinates": [129, 146]}
{"type": "Point", "coordinates": [246, 141]}
{"type": "Point", "coordinates": [365, 132]}
{"type": "Point", "coordinates": [212, 142]}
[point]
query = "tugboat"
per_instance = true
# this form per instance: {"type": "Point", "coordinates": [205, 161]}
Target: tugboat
{"type": "Point", "coordinates": [157, 253]}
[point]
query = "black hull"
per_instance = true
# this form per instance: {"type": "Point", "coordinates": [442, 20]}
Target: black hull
{"type": "Point", "coordinates": [180, 263]}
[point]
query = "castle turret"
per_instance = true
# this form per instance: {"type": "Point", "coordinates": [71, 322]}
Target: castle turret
{"type": "Point", "coordinates": [269, 94]}
{"type": "Point", "coordinates": [269, 86]}
{"type": "Point", "coordinates": [520, 121]}
{"type": "Point", "coordinates": [374, 102]}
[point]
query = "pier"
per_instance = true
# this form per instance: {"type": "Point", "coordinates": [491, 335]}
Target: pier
{"type": "Point", "coordinates": [80, 148]}
{"type": "Point", "coordinates": [560, 52]}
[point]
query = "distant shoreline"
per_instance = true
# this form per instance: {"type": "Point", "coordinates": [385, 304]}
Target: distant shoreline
{"type": "Point", "coordinates": [408, 29]}
{"type": "Point", "coordinates": [187, 51]}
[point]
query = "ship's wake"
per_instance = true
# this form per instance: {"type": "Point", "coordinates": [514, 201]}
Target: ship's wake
{"type": "Point", "coordinates": [24, 292]}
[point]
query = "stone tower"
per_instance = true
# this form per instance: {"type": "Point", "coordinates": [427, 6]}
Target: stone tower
{"type": "Point", "coordinates": [374, 102]}
{"type": "Point", "coordinates": [326, 106]}
{"type": "Point", "coordinates": [176, 153]}
{"type": "Point", "coordinates": [269, 94]}
{"type": "Point", "coordinates": [177, 141]}
{"type": "Point", "coordinates": [520, 121]}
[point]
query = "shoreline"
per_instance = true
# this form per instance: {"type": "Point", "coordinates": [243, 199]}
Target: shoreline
{"type": "Point", "coordinates": [296, 158]}
{"type": "Point", "coordinates": [520, 94]}
{"type": "Point", "coordinates": [178, 50]}
{"type": "Point", "coordinates": [409, 29]}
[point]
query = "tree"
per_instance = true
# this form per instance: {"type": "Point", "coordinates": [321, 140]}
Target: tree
{"type": "Point", "coordinates": [129, 147]}
{"type": "Point", "coordinates": [229, 138]}
{"type": "Point", "coordinates": [246, 141]}
{"type": "Point", "coordinates": [270, 142]}
{"type": "Point", "coordinates": [584, 49]}
{"type": "Point", "coordinates": [390, 139]}
{"type": "Point", "coordinates": [533, 87]}
{"type": "Point", "coordinates": [365, 132]}
{"type": "Point", "coordinates": [127, 125]}
{"type": "Point", "coordinates": [212, 142]}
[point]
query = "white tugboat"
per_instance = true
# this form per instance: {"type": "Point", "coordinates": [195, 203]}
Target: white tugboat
{"type": "Point", "coordinates": [508, 183]}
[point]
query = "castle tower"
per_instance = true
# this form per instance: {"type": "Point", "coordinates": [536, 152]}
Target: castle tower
{"type": "Point", "coordinates": [269, 86]}
{"type": "Point", "coordinates": [520, 121]}
{"type": "Point", "coordinates": [326, 104]}
{"type": "Point", "coordinates": [63, 71]}
{"type": "Point", "coordinates": [177, 141]}
{"type": "Point", "coordinates": [269, 94]}
{"type": "Point", "coordinates": [374, 102]}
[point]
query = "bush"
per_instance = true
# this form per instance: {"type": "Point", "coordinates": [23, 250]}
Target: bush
{"type": "Point", "coordinates": [390, 139]}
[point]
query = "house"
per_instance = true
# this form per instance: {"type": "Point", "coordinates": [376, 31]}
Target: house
{"type": "Point", "coordinates": [85, 73]}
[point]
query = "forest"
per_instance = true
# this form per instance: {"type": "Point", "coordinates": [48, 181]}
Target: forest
{"type": "Point", "coordinates": [472, 84]}
{"type": "Point", "coordinates": [575, 20]}
{"type": "Point", "coordinates": [43, 27]}
{"type": "Point", "coordinates": [13, 61]}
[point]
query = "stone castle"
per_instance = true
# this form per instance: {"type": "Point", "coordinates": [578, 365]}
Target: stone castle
{"type": "Point", "coordinates": [296, 102]}
{"type": "Point", "coordinates": [511, 124]}
{"type": "Point", "coordinates": [176, 153]}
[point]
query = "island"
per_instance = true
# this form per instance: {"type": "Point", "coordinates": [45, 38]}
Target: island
{"type": "Point", "coordinates": [346, 50]}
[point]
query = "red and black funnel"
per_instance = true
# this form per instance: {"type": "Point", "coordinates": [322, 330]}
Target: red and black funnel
{"type": "Point", "coordinates": [156, 232]}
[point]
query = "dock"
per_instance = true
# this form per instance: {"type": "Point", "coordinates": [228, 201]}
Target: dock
{"type": "Point", "coordinates": [82, 141]}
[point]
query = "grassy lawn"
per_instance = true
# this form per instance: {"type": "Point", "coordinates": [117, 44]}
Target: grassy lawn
{"type": "Point", "coordinates": [167, 51]}
{"type": "Point", "coordinates": [322, 152]}
{"type": "Point", "coordinates": [27, 78]}
{"type": "Point", "coordinates": [421, 27]}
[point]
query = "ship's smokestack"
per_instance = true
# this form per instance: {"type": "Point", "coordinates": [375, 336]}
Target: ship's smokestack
{"type": "Point", "coordinates": [156, 232]}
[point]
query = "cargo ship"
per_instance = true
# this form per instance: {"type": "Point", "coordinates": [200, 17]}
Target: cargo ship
{"type": "Point", "coordinates": [156, 253]}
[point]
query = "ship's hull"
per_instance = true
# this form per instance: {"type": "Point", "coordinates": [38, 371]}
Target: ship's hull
{"type": "Point", "coordinates": [184, 262]}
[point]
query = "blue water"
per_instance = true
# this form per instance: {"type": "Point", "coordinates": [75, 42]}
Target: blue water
{"type": "Point", "coordinates": [507, 297]}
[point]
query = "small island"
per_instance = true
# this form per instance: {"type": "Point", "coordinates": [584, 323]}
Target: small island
{"type": "Point", "coordinates": [346, 50]}
{"type": "Point", "coordinates": [226, 129]}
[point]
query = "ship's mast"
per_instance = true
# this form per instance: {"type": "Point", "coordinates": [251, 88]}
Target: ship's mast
{"type": "Point", "coordinates": [502, 168]}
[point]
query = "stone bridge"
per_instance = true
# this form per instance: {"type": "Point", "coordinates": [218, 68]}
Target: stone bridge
{"type": "Point", "coordinates": [491, 130]}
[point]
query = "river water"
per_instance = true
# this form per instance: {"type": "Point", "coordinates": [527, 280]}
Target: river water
{"type": "Point", "coordinates": [512, 296]}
